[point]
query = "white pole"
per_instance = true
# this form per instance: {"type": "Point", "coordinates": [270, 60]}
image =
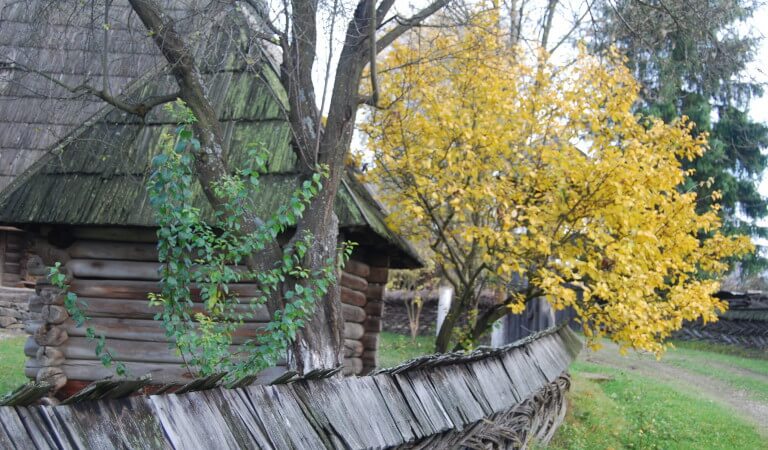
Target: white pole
{"type": "Point", "coordinates": [498, 333]}
{"type": "Point", "coordinates": [445, 294]}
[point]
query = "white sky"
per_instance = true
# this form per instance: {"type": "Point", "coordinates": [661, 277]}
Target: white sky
{"type": "Point", "coordinates": [758, 71]}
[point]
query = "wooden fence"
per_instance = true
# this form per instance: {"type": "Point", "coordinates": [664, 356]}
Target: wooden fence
{"type": "Point", "coordinates": [491, 398]}
{"type": "Point", "coordinates": [745, 323]}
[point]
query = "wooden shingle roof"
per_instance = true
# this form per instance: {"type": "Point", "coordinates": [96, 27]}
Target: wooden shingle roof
{"type": "Point", "coordinates": [62, 40]}
{"type": "Point", "coordinates": [97, 174]}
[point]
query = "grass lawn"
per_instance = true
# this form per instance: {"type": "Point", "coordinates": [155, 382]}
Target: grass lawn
{"type": "Point", "coordinates": [12, 363]}
{"type": "Point", "coordinates": [737, 371]}
{"type": "Point", "coordinates": [635, 412]}
{"type": "Point", "coordinates": [396, 348]}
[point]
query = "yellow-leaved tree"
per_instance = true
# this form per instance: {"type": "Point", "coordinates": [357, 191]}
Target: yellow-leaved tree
{"type": "Point", "coordinates": [538, 180]}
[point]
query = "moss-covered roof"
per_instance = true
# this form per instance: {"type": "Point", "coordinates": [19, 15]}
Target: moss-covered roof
{"type": "Point", "coordinates": [98, 174]}
{"type": "Point", "coordinates": [63, 40]}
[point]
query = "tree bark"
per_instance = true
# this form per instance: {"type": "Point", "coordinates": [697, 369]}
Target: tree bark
{"type": "Point", "coordinates": [458, 306]}
{"type": "Point", "coordinates": [320, 342]}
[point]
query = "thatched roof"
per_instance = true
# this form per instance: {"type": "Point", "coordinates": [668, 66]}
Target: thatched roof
{"type": "Point", "coordinates": [97, 174]}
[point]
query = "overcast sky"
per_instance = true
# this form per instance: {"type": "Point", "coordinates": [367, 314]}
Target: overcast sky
{"type": "Point", "coordinates": [758, 71]}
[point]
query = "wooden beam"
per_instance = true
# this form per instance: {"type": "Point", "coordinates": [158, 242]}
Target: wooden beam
{"type": "Point", "coordinates": [374, 308]}
{"type": "Point", "coordinates": [120, 234]}
{"type": "Point", "coordinates": [114, 269]}
{"type": "Point", "coordinates": [81, 348]}
{"type": "Point", "coordinates": [357, 268]}
{"type": "Point", "coordinates": [50, 335]}
{"type": "Point", "coordinates": [140, 309]}
{"type": "Point", "coordinates": [49, 356]}
{"type": "Point", "coordinates": [351, 297]}
{"type": "Point", "coordinates": [107, 269]}
{"type": "Point", "coordinates": [353, 348]}
{"type": "Point", "coordinates": [378, 275]}
{"type": "Point", "coordinates": [353, 313]}
{"type": "Point", "coordinates": [130, 289]}
{"type": "Point", "coordinates": [353, 282]}
{"type": "Point", "coordinates": [90, 370]}
{"type": "Point", "coordinates": [353, 366]}
{"type": "Point", "coordinates": [54, 376]}
{"type": "Point", "coordinates": [54, 314]}
{"type": "Point", "coordinates": [353, 330]}
{"type": "Point", "coordinates": [375, 291]}
{"type": "Point", "coordinates": [131, 251]}
{"type": "Point", "coordinates": [141, 330]}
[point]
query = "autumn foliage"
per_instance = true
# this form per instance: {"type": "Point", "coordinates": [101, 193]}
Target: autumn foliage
{"type": "Point", "coordinates": [512, 168]}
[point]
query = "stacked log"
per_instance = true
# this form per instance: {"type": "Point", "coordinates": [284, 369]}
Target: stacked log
{"type": "Point", "coordinates": [48, 336]}
{"type": "Point", "coordinates": [353, 288]}
{"type": "Point", "coordinates": [374, 309]}
{"type": "Point", "coordinates": [112, 281]}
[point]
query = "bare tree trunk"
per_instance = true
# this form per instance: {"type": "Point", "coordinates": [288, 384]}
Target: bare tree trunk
{"type": "Point", "coordinates": [514, 23]}
{"type": "Point", "coordinates": [458, 307]}
{"type": "Point", "coordinates": [548, 17]}
{"type": "Point", "coordinates": [446, 330]}
{"type": "Point", "coordinates": [445, 297]}
{"type": "Point", "coordinates": [320, 342]}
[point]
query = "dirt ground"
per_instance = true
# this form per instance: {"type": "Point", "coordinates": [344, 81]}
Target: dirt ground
{"type": "Point", "coordinates": [739, 401]}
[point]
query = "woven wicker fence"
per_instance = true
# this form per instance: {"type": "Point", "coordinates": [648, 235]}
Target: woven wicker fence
{"type": "Point", "coordinates": [745, 323]}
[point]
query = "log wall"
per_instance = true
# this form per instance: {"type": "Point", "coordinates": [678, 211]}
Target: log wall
{"type": "Point", "coordinates": [113, 278]}
{"type": "Point", "coordinates": [11, 257]}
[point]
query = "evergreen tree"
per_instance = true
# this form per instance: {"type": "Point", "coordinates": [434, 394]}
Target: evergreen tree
{"type": "Point", "coordinates": [690, 57]}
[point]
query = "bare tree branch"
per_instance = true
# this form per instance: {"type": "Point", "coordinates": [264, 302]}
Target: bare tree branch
{"type": "Point", "coordinates": [575, 27]}
{"type": "Point", "coordinates": [105, 48]}
{"type": "Point", "coordinates": [406, 24]}
{"type": "Point", "coordinates": [140, 108]}
{"type": "Point", "coordinates": [263, 14]}
{"type": "Point", "coordinates": [548, 18]}
{"type": "Point", "coordinates": [372, 63]}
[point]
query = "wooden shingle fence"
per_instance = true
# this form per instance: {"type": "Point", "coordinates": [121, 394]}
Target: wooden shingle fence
{"type": "Point", "coordinates": [495, 398]}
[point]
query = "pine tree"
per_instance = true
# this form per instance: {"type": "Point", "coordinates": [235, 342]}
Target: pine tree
{"type": "Point", "coordinates": [690, 57]}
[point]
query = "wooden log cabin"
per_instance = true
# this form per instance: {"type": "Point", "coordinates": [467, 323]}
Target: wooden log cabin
{"type": "Point", "coordinates": [85, 204]}
{"type": "Point", "coordinates": [12, 264]}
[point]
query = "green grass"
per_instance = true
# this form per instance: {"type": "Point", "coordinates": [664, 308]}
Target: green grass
{"type": "Point", "coordinates": [744, 369]}
{"type": "Point", "coordinates": [757, 388]}
{"type": "Point", "coordinates": [396, 348]}
{"type": "Point", "coordinates": [635, 412]}
{"type": "Point", "coordinates": [12, 363]}
{"type": "Point", "coordinates": [721, 349]}
{"type": "Point", "coordinates": [748, 359]}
